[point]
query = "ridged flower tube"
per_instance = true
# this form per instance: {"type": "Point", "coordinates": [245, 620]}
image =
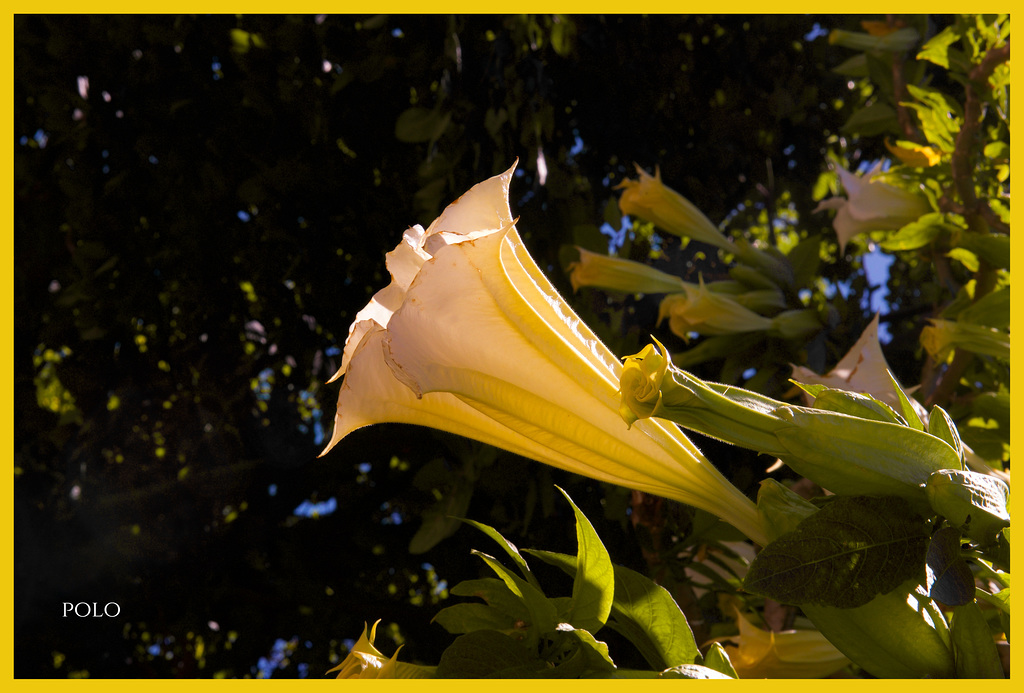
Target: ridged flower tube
{"type": "Point", "coordinates": [471, 338]}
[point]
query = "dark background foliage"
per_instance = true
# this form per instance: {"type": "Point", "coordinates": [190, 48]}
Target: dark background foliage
{"type": "Point", "coordinates": [194, 231]}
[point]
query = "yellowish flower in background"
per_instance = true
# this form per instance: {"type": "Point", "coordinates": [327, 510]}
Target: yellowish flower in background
{"type": "Point", "coordinates": [913, 154]}
{"type": "Point", "coordinates": [471, 338]}
{"type": "Point", "coordinates": [894, 41]}
{"type": "Point", "coordinates": [863, 369]}
{"type": "Point", "coordinates": [619, 274]}
{"type": "Point", "coordinates": [365, 661]}
{"type": "Point", "coordinates": [790, 654]}
{"type": "Point", "coordinates": [871, 205]}
{"type": "Point", "coordinates": [696, 309]}
{"type": "Point", "coordinates": [651, 200]}
{"type": "Point", "coordinates": [941, 337]}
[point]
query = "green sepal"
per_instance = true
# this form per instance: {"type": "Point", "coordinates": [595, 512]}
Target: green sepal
{"type": "Point", "coordinates": [973, 502]}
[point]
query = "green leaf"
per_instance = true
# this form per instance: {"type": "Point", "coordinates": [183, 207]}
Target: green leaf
{"type": "Point", "coordinates": [995, 250]}
{"type": "Point", "coordinates": [876, 119]}
{"type": "Point", "coordinates": [991, 310]}
{"type": "Point", "coordinates": [907, 408]}
{"type": "Point", "coordinates": [857, 66]}
{"type": "Point", "coordinates": [418, 124]}
{"type": "Point", "coordinates": [949, 578]}
{"type": "Point", "coordinates": [974, 651]}
{"type": "Point", "coordinates": [941, 426]}
{"type": "Point", "coordinates": [936, 50]}
{"type": "Point", "coordinates": [718, 659]}
{"type": "Point", "coordinates": [509, 548]}
{"type": "Point", "coordinates": [595, 653]}
{"type": "Point", "coordinates": [440, 521]}
{"type": "Point", "coordinates": [965, 257]}
{"type": "Point", "coordinates": [853, 549]}
{"type": "Point", "coordinates": [644, 613]}
{"type": "Point", "coordinates": [488, 654]}
{"type": "Point", "coordinates": [919, 233]}
{"type": "Point", "coordinates": [593, 585]}
{"type": "Point", "coordinates": [503, 610]}
{"type": "Point", "coordinates": [692, 671]}
{"type": "Point", "coordinates": [856, 404]}
{"type": "Point", "coordinates": [805, 258]}
{"type": "Point", "coordinates": [542, 612]}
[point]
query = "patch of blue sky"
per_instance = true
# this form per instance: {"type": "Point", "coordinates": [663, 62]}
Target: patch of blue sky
{"type": "Point", "coordinates": [876, 268]}
{"type": "Point", "coordinates": [308, 508]}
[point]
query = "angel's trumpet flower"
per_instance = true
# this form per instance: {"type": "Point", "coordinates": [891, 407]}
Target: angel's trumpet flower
{"type": "Point", "coordinates": [365, 661]}
{"type": "Point", "coordinates": [471, 338]}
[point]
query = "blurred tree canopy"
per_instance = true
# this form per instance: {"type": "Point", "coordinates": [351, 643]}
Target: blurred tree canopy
{"type": "Point", "coordinates": [201, 206]}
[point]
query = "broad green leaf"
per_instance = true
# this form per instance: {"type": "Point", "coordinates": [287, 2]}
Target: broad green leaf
{"type": "Point", "coordinates": [853, 549]}
{"type": "Point", "coordinates": [995, 250]}
{"type": "Point", "coordinates": [936, 50]}
{"type": "Point", "coordinates": [488, 654]}
{"type": "Point", "coordinates": [918, 234]}
{"type": "Point", "coordinates": [542, 611]}
{"type": "Point", "coordinates": [857, 66]}
{"type": "Point", "coordinates": [965, 257]}
{"type": "Point", "coordinates": [509, 548]}
{"type": "Point", "coordinates": [876, 119]}
{"type": "Point", "coordinates": [593, 584]}
{"type": "Point", "coordinates": [805, 257]}
{"type": "Point", "coordinates": [440, 521]}
{"type": "Point", "coordinates": [974, 651]}
{"type": "Point", "coordinates": [503, 611]}
{"type": "Point", "coordinates": [991, 310]}
{"type": "Point", "coordinates": [949, 578]}
{"type": "Point", "coordinates": [644, 613]}
{"type": "Point", "coordinates": [418, 124]}
{"type": "Point", "coordinates": [595, 653]}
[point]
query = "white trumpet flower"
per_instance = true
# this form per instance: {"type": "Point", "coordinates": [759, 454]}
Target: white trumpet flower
{"type": "Point", "coordinates": [471, 338]}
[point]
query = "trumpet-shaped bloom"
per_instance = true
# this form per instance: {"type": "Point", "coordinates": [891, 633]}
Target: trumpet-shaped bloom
{"type": "Point", "coordinates": [365, 661]}
{"type": "Point", "coordinates": [619, 274]}
{"type": "Point", "coordinates": [894, 41]}
{"type": "Point", "coordinates": [871, 205]}
{"type": "Point", "coordinates": [863, 369]}
{"type": "Point", "coordinates": [471, 338]}
{"type": "Point", "coordinates": [696, 309]}
{"type": "Point", "coordinates": [653, 201]}
{"type": "Point", "coordinates": [699, 309]}
{"type": "Point", "coordinates": [943, 336]}
{"type": "Point", "coordinates": [790, 654]}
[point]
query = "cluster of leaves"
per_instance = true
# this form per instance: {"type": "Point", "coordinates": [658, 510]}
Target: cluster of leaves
{"type": "Point", "coordinates": [519, 632]}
